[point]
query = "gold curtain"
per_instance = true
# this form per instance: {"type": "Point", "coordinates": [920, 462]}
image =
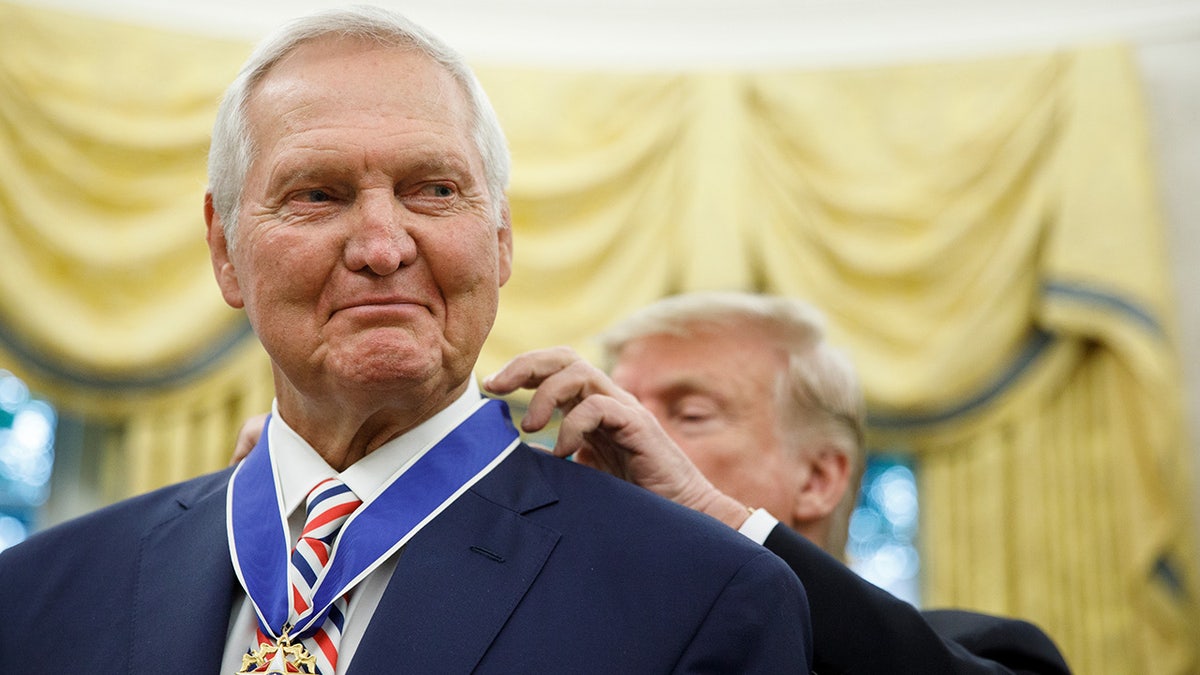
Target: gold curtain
{"type": "Point", "coordinates": [107, 304]}
{"type": "Point", "coordinates": [983, 235]}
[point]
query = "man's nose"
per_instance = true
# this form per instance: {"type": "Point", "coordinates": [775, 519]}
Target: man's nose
{"type": "Point", "coordinates": [379, 240]}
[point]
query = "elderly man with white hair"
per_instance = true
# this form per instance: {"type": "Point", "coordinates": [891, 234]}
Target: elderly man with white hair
{"type": "Point", "coordinates": [389, 519]}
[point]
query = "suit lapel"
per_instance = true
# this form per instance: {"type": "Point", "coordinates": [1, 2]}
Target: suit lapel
{"type": "Point", "coordinates": [183, 595]}
{"type": "Point", "coordinates": [459, 579]}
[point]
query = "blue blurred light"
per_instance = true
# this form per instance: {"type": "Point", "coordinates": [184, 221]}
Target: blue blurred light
{"type": "Point", "coordinates": [12, 531]}
{"type": "Point", "coordinates": [882, 541]}
{"type": "Point", "coordinates": [26, 457]}
{"type": "Point", "coordinates": [13, 392]}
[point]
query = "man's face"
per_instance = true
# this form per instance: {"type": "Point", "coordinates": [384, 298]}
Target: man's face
{"type": "Point", "coordinates": [367, 257]}
{"type": "Point", "coordinates": [715, 395]}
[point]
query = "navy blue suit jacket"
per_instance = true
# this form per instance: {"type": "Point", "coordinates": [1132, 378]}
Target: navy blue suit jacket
{"type": "Point", "coordinates": [544, 566]}
{"type": "Point", "coordinates": [860, 628]}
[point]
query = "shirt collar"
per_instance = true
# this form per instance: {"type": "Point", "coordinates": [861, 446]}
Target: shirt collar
{"type": "Point", "coordinates": [300, 467]}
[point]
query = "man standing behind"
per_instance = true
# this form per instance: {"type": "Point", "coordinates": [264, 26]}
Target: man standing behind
{"type": "Point", "coordinates": [356, 211]}
{"type": "Point", "coordinates": [719, 400]}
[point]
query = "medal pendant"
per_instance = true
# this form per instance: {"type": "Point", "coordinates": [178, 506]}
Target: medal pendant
{"type": "Point", "coordinates": [283, 657]}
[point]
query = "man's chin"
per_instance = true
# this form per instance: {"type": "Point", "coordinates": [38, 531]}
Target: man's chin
{"type": "Point", "coordinates": [387, 367]}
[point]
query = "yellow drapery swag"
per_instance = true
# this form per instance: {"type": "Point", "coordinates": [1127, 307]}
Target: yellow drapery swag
{"type": "Point", "coordinates": [983, 235]}
{"type": "Point", "coordinates": [107, 301]}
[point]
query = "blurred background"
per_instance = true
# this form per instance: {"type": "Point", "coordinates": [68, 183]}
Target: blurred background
{"type": "Point", "coordinates": [996, 204]}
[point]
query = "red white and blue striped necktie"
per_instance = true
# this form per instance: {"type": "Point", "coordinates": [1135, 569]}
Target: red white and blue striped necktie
{"type": "Point", "coordinates": [327, 507]}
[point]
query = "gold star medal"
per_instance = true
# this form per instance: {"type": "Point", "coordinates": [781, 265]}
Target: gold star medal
{"type": "Point", "coordinates": [281, 657]}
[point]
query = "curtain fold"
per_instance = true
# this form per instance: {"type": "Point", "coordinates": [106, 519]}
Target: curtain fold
{"type": "Point", "coordinates": [1052, 515]}
{"type": "Point", "coordinates": [983, 234]}
{"type": "Point", "coordinates": [107, 301]}
{"type": "Point", "coordinates": [598, 169]}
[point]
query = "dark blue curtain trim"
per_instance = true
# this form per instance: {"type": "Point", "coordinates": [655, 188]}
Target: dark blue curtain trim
{"type": "Point", "coordinates": [1093, 296]}
{"type": "Point", "coordinates": [1037, 342]}
{"type": "Point", "coordinates": [177, 373]}
{"type": "Point", "coordinates": [1166, 572]}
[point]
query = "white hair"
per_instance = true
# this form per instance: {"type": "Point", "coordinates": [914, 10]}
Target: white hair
{"type": "Point", "coordinates": [233, 150]}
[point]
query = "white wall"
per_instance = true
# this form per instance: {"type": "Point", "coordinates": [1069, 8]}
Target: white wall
{"type": "Point", "coordinates": [655, 33]}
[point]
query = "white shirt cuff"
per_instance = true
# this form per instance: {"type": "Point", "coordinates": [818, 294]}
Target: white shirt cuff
{"type": "Point", "coordinates": [758, 525]}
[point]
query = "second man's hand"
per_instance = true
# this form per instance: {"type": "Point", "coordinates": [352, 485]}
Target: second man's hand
{"type": "Point", "coordinates": [605, 427]}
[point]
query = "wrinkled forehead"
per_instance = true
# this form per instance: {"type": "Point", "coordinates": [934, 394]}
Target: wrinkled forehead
{"type": "Point", "coordinates": [344, 97]}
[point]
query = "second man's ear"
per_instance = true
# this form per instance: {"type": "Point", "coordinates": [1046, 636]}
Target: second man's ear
{"type": "Point", "coordinates": [823, 484]}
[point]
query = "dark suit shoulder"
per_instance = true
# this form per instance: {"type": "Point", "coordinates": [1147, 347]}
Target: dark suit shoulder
{"type": "Point", "coordinates": [79, 583]}
{"type": "Point", "coordinates": [860, 628]}
{"type": "Point", "coordinates": [1018, 644]}
{"type": "Point", "coordinates": [608, 507]}
{"type": "Point", "coordinates": [703, 597]}
{"type": "Point", "coordinates": [117, 526]}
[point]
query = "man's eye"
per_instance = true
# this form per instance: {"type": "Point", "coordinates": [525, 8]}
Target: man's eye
{"type": "Point", "coordinates": [694, 413]}
{"type": "Point", "coordinates": [315, 196]}
{"type": "Point", "coordinates": [439, 190]}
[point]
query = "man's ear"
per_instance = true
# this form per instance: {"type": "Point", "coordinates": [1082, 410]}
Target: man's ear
{"type": "Point", "coordinates": [822, 486]}
{"type": "Point", "coordinates": [218, 253]}
{"type": "Point", "coordinates": [505, 242]}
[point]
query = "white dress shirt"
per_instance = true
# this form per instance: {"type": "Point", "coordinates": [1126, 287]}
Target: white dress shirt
{"type": "Point", "coordinates": [300, 468]}
{"type": "Point", "coordinates": [758, 526]}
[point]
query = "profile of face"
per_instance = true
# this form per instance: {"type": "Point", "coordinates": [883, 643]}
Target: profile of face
{"type": "Point", "coordinates": [368, 257]}
{"type": "Point", "coordinates": [715, 395]}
